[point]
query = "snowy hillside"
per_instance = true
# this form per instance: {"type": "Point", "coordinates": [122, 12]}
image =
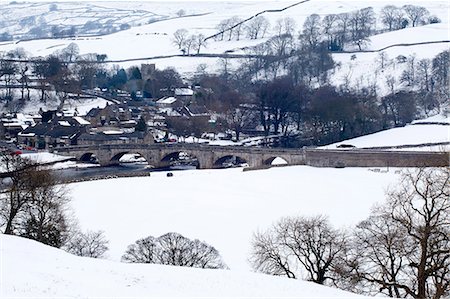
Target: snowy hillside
{"type": "Point", "coordinates": [31, 270]}
{"type": "Point", "coordinates": [155, 39]}
{"type": "Point", "coordinates": [430, 134]}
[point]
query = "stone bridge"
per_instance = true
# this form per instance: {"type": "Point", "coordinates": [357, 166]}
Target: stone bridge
{"type": "Point", "coordinates": [210, 156]}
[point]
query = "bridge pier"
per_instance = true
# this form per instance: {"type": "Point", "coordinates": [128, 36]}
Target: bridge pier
{"type": "Point", "coordinates": [206, 160]}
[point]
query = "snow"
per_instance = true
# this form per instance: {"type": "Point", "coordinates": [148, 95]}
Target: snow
{"type": "Point", "coordinates": [81, 120]}
{"type": "Point", "coordinates": [70, 105]}
{"type": "Point", "coordinates": [416, 134]}
{"type": "Point", "coordinates": [64, 123]}
{"type": "Point", "coordinates": [223, 207]}
{"type": "Point", "coordinates": [167, 100]}
{"type": "Point", "coordinates": [155, 39]}
{"type": "Point", "coordinates": [439, 118]}
{"type": "Point", "coordinates": [44, 157]}
{"type": "Point", "coordinates": [113, 132]}
{"type": "Point", "coordinates": [33, 270]}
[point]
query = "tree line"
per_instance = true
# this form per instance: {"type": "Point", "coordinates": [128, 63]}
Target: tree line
{"type": "Point", "coordinates": [401, 250]}
{"type": "Point", "coordinates": [274, 93]}
{"type": "Point", "coordinates": [338, 30]}
{"type": "Point", "coordinates": [303, 101]}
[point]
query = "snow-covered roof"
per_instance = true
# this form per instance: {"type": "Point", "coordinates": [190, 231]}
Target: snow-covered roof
{"type": "Point", "coordinates": [166, 100]}
{"type": "Point", "coordinates": [64, 123]}
{"type": "Point", "coordinates": [184, 92]}
{"type": "Point", "coordinates": [170, 112]}
{"type": "Point", "coordinates": [81, 120]}
{"type": "Point", "coordinates": [26, 134]}
{"type": "Point", "coordinates": [15, 125]}
{"type": "Point", "coordinates": [112, 132]}
{"type": "Point", "coordinates": [131, 122]}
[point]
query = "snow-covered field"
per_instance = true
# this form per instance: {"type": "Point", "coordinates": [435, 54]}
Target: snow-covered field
{"type": "Point", "coordinates": [417, 136]}
{"type": "Point", "coordinates": [223, 207]}
{"type": "Point", "coordinates": [32, 270]}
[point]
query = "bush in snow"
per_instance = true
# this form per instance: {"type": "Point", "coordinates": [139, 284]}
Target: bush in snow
{"type": "Point", "coordinates": [174, 249]}
{"type": "Point", "coordinates": [89, 244]}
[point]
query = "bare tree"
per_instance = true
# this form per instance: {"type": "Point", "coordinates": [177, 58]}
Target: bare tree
{"type": "Point", "coordinates": [16, 197]}
{"type": "Point", "coordinates": [391, 17]}
{"type": "Point", "coordinates": [270, 256]}
{"type": "Point", "coordinates": [189, 44]}
{"type": "Point", "coordinates": [285, 26]}
{"type": "Point", "coordinates": [89, 244]}
{"type": "Point", "coordinates": [198, 42]}
{"type": "Point", "coordinates": [409, 74]}
{"type": "Point", "coordinates": [232, 27]}
{"type": "Point", "coordinates": [174, 249]}
{"type": "Point", "coordinates": [343, 27]}
{"type": "Point", "coordinates": [380, 254]}
{"type": "Point", "coordinates": [311, 30]}
{"type": "Point", "coordinates": [237, 115]}
{"type": "Point", "coordinates": [330, 30]}
{"type": "Point", "coordinates": [8, 70]}
{"type": "Point", "coordinates": [420, 206]}
{"type": "Point", "coordinates": [222, 27]}
{"type": "Point", "coordinates": [309, 242]}
{"type": "Point", "coordinates": [403, 248]}
{"type": "Point", "coordinates": [441, 66]}
{"type": "Point", "coordinates": [257, 27]}
{"type": "Point", "coordinates": [69, 53]}
{"type": "Point", "coordinates": [31, 202]}
{"type": "Point", "coordinates": [180, 37]}
{"type": "Point", "coordinates": [237, 27]}
{"type": "Point", "coordinates": [46, 219]}
{"type": "Point", "coordinates": [424, 75]}
{"type": "Point", "coordinates": [361, 26]}
{"type": "Point", "coordinates": [415, 14]}
{"type": "Point", "coordinates": [383, 59]}
{"type": "Point", "coordinates": [142, 251]}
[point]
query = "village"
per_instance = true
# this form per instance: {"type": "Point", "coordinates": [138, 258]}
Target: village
{"type": "Point", "coordinates": [125, 118]}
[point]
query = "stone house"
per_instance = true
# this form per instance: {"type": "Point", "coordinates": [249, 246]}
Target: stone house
{"type": "Point", "coordinates": [115, 138]}
{"type": "Point", "coordinates": [110, 115]}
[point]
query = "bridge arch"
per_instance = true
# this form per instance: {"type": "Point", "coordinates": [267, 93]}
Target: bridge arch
{"type": "Point", "coordinates": [180, 158]}
{"type": "Point", "coordinates": [229, 161]}
{"type": "Point", "coordinates": [89, 157]}
{"type": "Point", "coordinates": [276, 160]}
{"type": "Point", "coordinates": [128, 156]}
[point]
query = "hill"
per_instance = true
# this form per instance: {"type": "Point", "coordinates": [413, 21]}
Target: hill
{"type": "Point", "coordinates": [30, 270]}
{"type": "Point", "coordinates": [152, 42]}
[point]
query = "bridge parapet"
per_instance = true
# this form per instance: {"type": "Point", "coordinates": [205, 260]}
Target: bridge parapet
{"type": "Point", "coordinates": [207, 155]}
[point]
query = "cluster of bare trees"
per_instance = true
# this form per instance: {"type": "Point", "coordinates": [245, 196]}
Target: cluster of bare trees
{"type": "Point", "coordinates": [174, 249]}
{"type": "Point", "coordinates": [31, 203]}
{"type": "Point", "coordinates": [229, 29]}
{"type": "Point", "coordinates": [337, 30]}
{"type": "Point", "coordinates": [58, 73]}
{"type": "Point", "coordinates": [66, 72]}
{"type": "Point", "coordinates": [34, 205]}
{"type": "Point", "coordinates": [187, 42]}
{"type": "Point", "coordinates": [401, 250]}
{"type": "Point", "coordinates": [424, 87]}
